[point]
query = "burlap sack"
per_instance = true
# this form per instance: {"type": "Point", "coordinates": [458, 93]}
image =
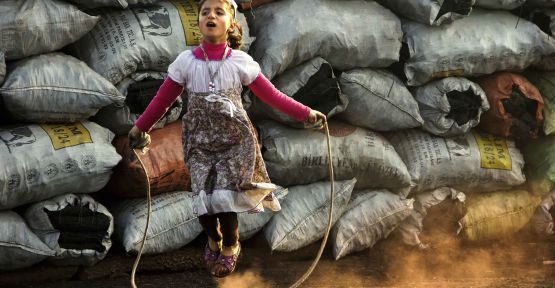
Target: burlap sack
{"type": "Point", "coordinates": [451, 106]}
{"type": "Point", "coordinates": [30, 27]}
{"type": "Point", "coordinates": [458, 49]}
{"type": "Point", "coordinates": [286, 37]}
{"type": "Point", "coordinates": [473, 162]}
{"type": "Point", "coordinates": [143, 38]}
{"type": "Point", "coordinates": [56, 88]}
{"type": "Point", "coordinates": [430, 12]}
{"type": "Point", "coordinates": [76, 227]}
{"type": "Point", "coordinates": [164, 163]}
{"type": "Point", "coordinates": [19, 246]}
{"type": "Point", "coordinates": [295, 156]}
{"type": "Point", "coordinates": [43, 161]}
{"type": "Point", "coordinates": [371, 92]}
{"type": "Point", "coordinates": [516, 106]}
{"type": "Point", "coordinates": [497, 214]}
{"type": "Point", "coordinates": [369, 217]}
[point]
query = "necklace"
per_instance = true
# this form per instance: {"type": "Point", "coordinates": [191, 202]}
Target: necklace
{"type": "Point", "coordinates": [212, 74]}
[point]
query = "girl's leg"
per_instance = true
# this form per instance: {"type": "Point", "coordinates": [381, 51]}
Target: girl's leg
{"type": "Point", "coordinates": [210, 225]}
{"type": "Point", "coordinates": [213, 248]}
{"type": "Point", "coordinates": [231, 248]}
{"type": "Point", "coordinates": [230, 228]}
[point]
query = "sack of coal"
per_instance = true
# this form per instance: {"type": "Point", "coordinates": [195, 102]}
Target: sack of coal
{"type": "Point", "coordinates": [539, 155]}
{"type": "Point", "coordinates": [475, 161]}
{"type": "Point", "coordinates": [312, 83]}
{"type": "Point", "coordinates": [172, 223]}
{"type": "Point", "coordinates": [75, 226]}
{"type": "Point", "coordinates": [30, 27]}
{"type": "Point", "coordinates": [500, 4]}
{"type": "Point", "coordinates": [540, 3]}
{"type": "Point", "coordinates": [371, 92]}
{"type": "Point", "coordinates": [451, 106]}
{"type": "Point", "coordinates": [19, 246]}
{"type": "Point", "coordinates": [544, 18]}
{"type": "Point", "coordinates": [542, 220]}
{"type": "Point", "coordinates": [304, 214]}
{"type": "Point", "coordinates": [459, 49]}
{"type": "Point", "coordinates": [252, 223]}
{"type": "Point", "coordinates": [251, 4]}
{"type": "Point", "coordinates": [139, 89]}
{"type": "Point", "coordinates": [430, 12]}
{"type": "Point", "coordinates": [286, 37]}
{"type": "Point", "coordinates": [2, 67]}
{"type": "Point", "coordinates": [497, 214]}
{"type": "Point", "coordinates": [369, 217]}
{"type": "Point", "coordinates": [296, 156]}
{"type": "Point", "coordinates": [545, 83]}
{"type": "Point", "coordinates": [43, 161]}
{"type": "Point", "coordinates": [437, 225]}
{"type": "Point", "coordinates": [164, 164]}
{"type": "Point", "coordinates": [90, 4]}
{"type": "Point", "coordinates": [56, 88]}
{"type": "Point", "coordinates": [516, 106]}
{"type": "Point", "coordinates": [143, 38]}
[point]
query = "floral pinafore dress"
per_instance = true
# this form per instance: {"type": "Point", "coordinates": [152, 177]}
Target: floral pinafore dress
{"type": "Point", "coordinates": [221, 150]}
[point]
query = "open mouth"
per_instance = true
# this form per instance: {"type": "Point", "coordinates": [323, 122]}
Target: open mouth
{"type": "Point", "coordinates": [211, 24]}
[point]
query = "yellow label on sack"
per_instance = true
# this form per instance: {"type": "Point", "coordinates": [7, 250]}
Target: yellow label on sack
{"type": "Point", "coordinates": [188, 12]}
{"type": "Point", "coordinates": [494, 153]}
{"type": "Point", "coordinates": [67, 135]}
{"type": "Point", "coordinates": [448, 73]}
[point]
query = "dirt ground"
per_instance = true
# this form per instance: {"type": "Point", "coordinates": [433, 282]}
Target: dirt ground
{"type": "Point", "coordinates": [506, 263]}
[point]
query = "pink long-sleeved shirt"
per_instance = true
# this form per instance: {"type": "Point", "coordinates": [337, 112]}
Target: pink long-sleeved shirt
{"type": "Point", "coordinates": [261, 87]}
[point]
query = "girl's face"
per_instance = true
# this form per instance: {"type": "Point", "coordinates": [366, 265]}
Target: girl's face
{"type": "Point", "coordinates": [215, 21]}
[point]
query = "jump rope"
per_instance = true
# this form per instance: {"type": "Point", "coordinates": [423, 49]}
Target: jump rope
{"type": "Point", "coordinates": [141, 147]}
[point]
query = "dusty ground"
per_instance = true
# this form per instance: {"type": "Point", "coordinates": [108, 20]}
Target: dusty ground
{"type": "Point", "coordinates": [507, 263]}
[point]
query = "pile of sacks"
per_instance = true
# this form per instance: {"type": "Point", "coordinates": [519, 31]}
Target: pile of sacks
{"type": "Point", "coordinates": [432, 105]}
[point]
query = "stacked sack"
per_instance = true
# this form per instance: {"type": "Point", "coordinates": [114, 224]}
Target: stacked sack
{"type": "Point", "coordinates": [429, 104]}
{"type": "Point", "coordinates": [424, 113]}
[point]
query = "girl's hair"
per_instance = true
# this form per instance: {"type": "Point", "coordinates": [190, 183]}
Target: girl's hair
{"type": "Point", "coordinates": [234, 38]}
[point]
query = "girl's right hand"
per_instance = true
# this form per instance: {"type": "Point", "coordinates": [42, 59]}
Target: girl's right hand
{"type": "Point", "coordinates": [138, 138]}
{"type": "Point", "coordinates": [315, 116]}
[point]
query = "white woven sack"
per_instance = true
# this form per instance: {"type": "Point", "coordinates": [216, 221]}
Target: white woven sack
{"type": "Point", "coordinates": [500, 4]}
{"type": "Point", "coordinates": [56, 88]}
{"type": "Point", "coordinates": [286, 37]}
{"type": "Point", "coordinates": [430, 12]}
{"type": "Point", "coordinates": [312, 83]}
{"type": "Point", "coordinates": [410, 229]}
{"type": "Point", "coordinates": [459, 49]}
{"type": "Point", "coordinates": [304, 214]}
{"type": "Point", "coordinates": [120, 118]}
{"type": "Point", "coordinates": [39, 222]}
{"type": "Point", "coordinates": [296, 156]}
{"type": "Point", "coordinates": [43, 161]}
{"type": "Point", "coordinates": [19, 246]}
{"type": "Point", "coordinates": [89, 4]}
{"type": "Point", "coordinates": [252, 223]}
{"type": "Point", "coordinates": [369, 217]}
{"type": "Point", "coordinates": [30, 27]}
{"type": "Point", "coordinates": [172, 223]}
{"type": "Point", "coordinates": [143, 38]}
{"type": "Point", "coordinates": [473, 162]}
{"type": "Point", "coordinates": [436, 109]}
{"type": "Point", "coordinates": [372, 92]}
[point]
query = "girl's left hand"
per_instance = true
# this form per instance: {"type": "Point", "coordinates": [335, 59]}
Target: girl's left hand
{"type": "Point", "coordinates": [314, 116]}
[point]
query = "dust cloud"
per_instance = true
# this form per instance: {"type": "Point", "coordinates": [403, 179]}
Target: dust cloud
{"type": "Point", "coordinates": [243, 279]}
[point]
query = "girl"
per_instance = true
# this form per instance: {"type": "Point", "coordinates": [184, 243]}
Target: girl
{"type": "Point", "coordinates": [220, 146]}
